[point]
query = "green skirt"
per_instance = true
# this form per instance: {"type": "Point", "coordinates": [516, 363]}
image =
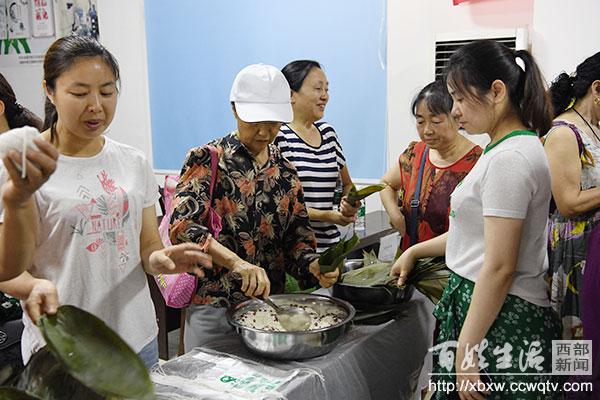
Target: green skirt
{"type": "Point", "coordinates": [519, 325]}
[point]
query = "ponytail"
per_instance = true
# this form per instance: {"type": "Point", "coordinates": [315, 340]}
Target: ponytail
{"type": "Point", "coordinates": [50, 118]}
{"type": "Point", "coordinates": [24, 117]}
{"type": "Point", "coordinates": [534, 104]}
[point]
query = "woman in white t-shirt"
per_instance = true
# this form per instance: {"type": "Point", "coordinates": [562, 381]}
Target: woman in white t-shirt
{"type": "Point", "coordinates": [495, 312]}
{"type": "Point", "coordinates": [89, 235]}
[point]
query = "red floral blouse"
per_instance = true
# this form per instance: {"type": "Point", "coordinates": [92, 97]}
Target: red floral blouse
{"type": "Point", "coordinates": [436, 188]}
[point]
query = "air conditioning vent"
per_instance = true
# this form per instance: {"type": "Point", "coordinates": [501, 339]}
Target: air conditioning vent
{"type": "Point", "coordinates": [446, 44]}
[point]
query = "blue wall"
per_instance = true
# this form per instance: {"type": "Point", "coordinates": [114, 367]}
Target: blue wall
{"type": "Point", "coordinates": [196, 47]}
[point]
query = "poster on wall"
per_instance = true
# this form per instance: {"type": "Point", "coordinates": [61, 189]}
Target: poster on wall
{"type": "Point", "coordinates": [3, 31]}
{"type": "Point", "coordinates": [18, 19]}
{"type": "Point", "coordinates": [78, 17]}
{"type": "Point", "coordinates": [42, 18]}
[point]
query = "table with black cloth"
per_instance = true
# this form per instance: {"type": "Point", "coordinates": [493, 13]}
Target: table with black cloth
{"type": "Point", "coordinates": [370, 362]}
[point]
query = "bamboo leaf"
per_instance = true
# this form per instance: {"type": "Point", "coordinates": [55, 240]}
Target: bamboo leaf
{"type": "Point", "coordinates": [357, 195]}
{"type": "Point", "coordinates": [429, 276]}
{"type": "Point", "coordinates": [370, 258]}
{"type": "Point", "coordinates": [7, 393]}
{"type": "Point", "coordinates": [334, 256]}
{"type": "Point", "coordinates": [47, 378]}
{"type": "Point", "coordinates": [95, 355]}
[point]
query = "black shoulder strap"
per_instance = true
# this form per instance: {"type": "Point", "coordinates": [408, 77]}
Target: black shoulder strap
{"type": "Point", "coordinates": [415, 202]}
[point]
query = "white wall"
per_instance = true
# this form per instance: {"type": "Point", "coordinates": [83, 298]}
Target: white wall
{"type": "Point", "coordinates": [564, 34]}
{"type": "Point", "coordinates": [412, 27]}
{"type": "Point", "coordinates": [123, 32]}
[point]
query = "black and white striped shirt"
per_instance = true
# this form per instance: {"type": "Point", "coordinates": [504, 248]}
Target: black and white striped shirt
{"type": "Point", "coordinates": [318, 169]}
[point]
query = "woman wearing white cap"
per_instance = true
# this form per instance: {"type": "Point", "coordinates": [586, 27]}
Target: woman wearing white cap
{"type": "Point", "coordinates": [258, 195]}
{"type": "Point", "coordinates": [315, 151]}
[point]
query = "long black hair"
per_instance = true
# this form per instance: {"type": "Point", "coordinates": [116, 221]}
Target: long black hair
{"type": "Point", "coordinates": [565, 88]}
{"type": "Point", "coordinates": [436, 97]}
{"type": "Point", "coordinates": [296, 71]}
{"type": "Point", "coordinates": [61, 56]}
{"type": "Point", "coordinates": [16, 115]}
{"type": "Point", "coordinates": [475, 66]}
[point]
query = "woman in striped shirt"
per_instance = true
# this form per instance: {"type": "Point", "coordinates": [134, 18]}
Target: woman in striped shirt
{"type": "Point", "coordinates": [313, 148]}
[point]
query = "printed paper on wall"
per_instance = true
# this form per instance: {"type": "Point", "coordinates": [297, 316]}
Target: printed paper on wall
{"type": "Point", "coordinates": [42, 18]}
{"type": "Point", "coordinates": [76, 16]}
{"type": "Point", "coordinates": [3, 29]}
{"type": "Point", "coordinates": [17, 12]}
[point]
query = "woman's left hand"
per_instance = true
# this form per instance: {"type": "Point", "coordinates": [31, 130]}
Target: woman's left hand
{"type": "Point", "coordinates": [467, 376]}
{"type": "Point", "coordinates": [325, 280]}
{"type": "Point", "coordinates": [348, 209]}
{"type": "Point", "coordinates": [184, 257]}
{"type": "Point", "coordinates": [43, 299]}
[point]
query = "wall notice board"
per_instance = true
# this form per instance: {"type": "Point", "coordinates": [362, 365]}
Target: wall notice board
{"type": "Point", "coordinates": [196, 47]}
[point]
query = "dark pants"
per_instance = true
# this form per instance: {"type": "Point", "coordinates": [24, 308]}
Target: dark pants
{"type": "Point", "coordinates": [10, 348]}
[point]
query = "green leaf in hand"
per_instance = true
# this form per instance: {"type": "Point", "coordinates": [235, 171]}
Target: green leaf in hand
{"type": "Point", "coordinates": [95, 355]}
{"type": "Point", "coordinates": [357, 195]}
{"type": "Point", "coordinates": [334, 256]}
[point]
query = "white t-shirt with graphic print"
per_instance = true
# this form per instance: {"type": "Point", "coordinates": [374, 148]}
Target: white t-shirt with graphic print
{"type": "Point", "coordinates": [511, 180]}
{"type": "Point", "coordinates": [88, 245]}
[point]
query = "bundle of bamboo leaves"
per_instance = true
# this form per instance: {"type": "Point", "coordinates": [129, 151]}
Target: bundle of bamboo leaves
{"type": "Point", "coordinates": [334, 256]}
{"type": "Point", "coordinates": [83, 359]}
{"type": "Point", "coordinates": [429, 276]}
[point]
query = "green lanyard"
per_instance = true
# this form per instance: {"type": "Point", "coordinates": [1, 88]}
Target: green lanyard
{"type": "Point", "coordinates": [512, 134]}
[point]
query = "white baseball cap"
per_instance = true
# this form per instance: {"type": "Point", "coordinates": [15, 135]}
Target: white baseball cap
{"type": "Point", "coordinates": [261, 93]}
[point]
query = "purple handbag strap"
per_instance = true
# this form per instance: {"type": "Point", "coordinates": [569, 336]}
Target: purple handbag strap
{"type": "Point", "coordinates": [575, 130]}
{"type": "Point", "coordinates": [214, 162]}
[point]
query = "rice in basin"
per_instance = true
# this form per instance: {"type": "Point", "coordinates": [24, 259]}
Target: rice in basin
{"type": "Point", "coordinates": [265, 318]}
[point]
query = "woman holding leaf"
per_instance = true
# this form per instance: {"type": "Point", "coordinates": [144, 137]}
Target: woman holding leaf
{"type": "Point", "coordinates": [440, 161]}
{"type": "Point", "coordinates": [495, 316]}
{"type": "Point", "coordinates": [313, 148]}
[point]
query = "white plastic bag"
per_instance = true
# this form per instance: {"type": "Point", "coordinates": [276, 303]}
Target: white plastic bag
{"type": "Point", "coordinates": [19, 139]}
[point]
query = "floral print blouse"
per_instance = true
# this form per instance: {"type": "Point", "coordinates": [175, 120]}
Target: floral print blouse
{"type": "Point", "coordinates": [265, 220]}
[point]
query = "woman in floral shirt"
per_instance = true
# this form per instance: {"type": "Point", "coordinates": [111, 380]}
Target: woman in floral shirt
{"type": "Point", "coordinates": [259, 197]}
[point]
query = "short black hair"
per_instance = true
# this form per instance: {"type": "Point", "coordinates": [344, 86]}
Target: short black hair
{"type": "Point", "coordinates": [296, 72]}
{"type": "Point", "coordinates": [566, 88]}
{"type": "Point", "coordinates": [436, 97]}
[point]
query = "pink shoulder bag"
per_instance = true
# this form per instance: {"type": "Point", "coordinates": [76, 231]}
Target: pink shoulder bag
{"type": "Point", "coordinates": [179, 289]}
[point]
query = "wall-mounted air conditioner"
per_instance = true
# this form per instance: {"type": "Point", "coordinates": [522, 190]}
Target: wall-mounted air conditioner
{"type": "Point", "coordinates": [448, 43]}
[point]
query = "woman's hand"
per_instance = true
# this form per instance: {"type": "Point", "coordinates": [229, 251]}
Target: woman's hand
{"type": "Point", "coordinates": [398, 222]}
{"type": "Point", "coordinates": [179, 258]}
{"type": "Point", "coordinates": [348, 209]}
{"type": "Point", "coordinates": [325, 280]}
{"type": "Point", "coordinates": [40, 165]}
{"type": "Point", "coordinates": [338, 218]}
{"type": "Point", "coordinates": [43, 299]}
{"type": "Point", "coordinates": [255, 282]}
{"type": "Point", "coordinates": [467, 375]}
{"type": "Point", "coordinates": [403, 266]}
